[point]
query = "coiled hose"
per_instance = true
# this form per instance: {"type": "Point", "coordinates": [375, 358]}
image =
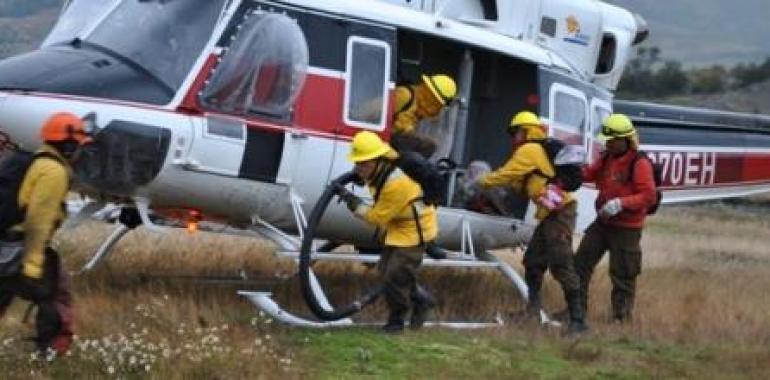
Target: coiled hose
{"type": "Point", "coordinates": [304, 259]}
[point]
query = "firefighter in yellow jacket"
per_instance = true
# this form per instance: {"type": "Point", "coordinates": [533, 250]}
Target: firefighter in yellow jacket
{"type": "Point", "coordinates": [528, 172]}
{"type": "Point", "coordinates": [408, 224]}
{"type": "Point", "coordinates": [415, 103]}
{"type": "Point", "coordinates": [42, 194]}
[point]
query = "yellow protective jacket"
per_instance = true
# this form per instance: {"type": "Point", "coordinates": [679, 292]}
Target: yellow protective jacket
{"type": "Point", "coordinates": [406, 119]}
{"type": "Point", "coordinates": [520, 171]}
{"type": "Point", "coordinates": [392, 211]}
{"type": "Point", "coordinates": [42, 193]}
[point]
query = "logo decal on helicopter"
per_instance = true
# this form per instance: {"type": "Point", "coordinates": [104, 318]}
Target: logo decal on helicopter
{"type": "Point", "coordinates": [573, 32]}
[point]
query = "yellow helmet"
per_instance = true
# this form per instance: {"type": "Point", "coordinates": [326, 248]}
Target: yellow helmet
{"type": "Point", "coordinates": [442, 86]}
{"type": "Point", "coordinates": [524, 119]}
{"type": "Point", "coordinates": [616, 125]}
{"type": "Point", "coordinates": [367, 146]}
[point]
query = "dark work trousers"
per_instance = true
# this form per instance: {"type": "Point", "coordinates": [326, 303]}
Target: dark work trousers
{"type": "Point", "coordinates": [625, 263]}
{"type": "Point", "coordinates": [51, 294]}
{"type": "Point", "coordinates": [551, 248]}
{"type": "Point", "coordinates": [414, 142]}
{"type": "Point", "coordinates": [398, 268]}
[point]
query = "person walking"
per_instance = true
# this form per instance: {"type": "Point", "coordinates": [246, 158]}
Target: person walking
{"type": "Point", "coordinates": [626, 184]}
{"type": "Point", "coordinates": [43, 279]}
{"type": "Point", "coordinates": [528, 172]}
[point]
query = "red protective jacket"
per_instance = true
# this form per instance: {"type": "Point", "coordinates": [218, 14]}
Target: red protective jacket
{"type": "Point", "coordinates": [611, 175]}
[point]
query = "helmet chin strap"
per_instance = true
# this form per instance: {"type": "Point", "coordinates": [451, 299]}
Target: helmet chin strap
{"type": "Point", "coordinates": [67, 148]}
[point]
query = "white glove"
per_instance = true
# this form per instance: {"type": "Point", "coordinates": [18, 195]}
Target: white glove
{"type": "Point", "coordinates": [613, 207]}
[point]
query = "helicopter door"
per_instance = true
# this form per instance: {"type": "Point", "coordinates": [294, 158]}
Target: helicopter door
{"type": "Point", "coordinates": [569, 121]}
{"type": "Point", "coordinates": [249, 99]}
{"type": "Point", "coordinates": [600, 110]}
{"type": "Point", "coordinates": [218, 145]}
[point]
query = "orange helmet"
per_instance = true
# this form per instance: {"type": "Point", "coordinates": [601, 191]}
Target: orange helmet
{"type": "Point", "coordinates": [63, 126]}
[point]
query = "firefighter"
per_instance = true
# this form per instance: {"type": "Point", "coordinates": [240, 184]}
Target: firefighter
{"type": "Point", "coordinates": [527, 173]}
{"type": "Point", "coordinates": [626, 190]}
{"type": "Point", "coordinates": [408, 225]}
{"type": "Point", "coordinates": [415, 103]}
{"type": "Point", "coordinates": [43, 279]}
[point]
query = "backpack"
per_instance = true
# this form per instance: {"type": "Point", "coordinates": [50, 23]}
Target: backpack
{"type": "Point", "coordinates": [12, 171]}
{"type": "Point", "coordinates": [426, 173]}
{"type": "Point", "coordinates": [657, 175]}
{"type": "Point", "coordinates": [567, 161]}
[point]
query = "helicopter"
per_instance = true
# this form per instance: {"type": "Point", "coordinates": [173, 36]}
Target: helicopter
{"type": "Point", "coordinates": [241, 112]}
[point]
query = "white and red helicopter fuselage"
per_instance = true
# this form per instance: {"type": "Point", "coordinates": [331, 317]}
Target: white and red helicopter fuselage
{"type": "Point", "coordinates": [227, 111]}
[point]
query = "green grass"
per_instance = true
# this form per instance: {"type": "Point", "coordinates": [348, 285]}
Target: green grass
{"type": "Point", "coordinates": [367, 353]}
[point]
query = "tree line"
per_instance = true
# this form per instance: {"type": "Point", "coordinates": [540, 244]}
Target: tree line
{"type": "Point", "coordinates": [649, 76]}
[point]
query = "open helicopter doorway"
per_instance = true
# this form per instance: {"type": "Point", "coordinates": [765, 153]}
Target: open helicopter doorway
{"type": "Point", "coordinates": [472, 131]}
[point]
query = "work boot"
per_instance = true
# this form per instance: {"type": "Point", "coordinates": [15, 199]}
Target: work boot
{"type": "Point", "coordinates": [435, 252]}
{"type": "Point", "coordinates": [561, 316]}
{"type": "Point", "coordinates": [393, 326]}
{"type": "Point", "coordinates": [395, 323]}
{"type": "Point", "coordinates": [422, 302]}
{"type": "Point", "coordinates": [577, 315]}
{"type": "Point", "coordinates": [531, 311]}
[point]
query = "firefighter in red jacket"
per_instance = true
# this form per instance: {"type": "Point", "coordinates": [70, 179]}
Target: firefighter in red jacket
{"type": "Point", "coordinates": [625, 194]}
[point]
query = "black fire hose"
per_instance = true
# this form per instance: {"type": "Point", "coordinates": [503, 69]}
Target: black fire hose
{"type": "Point", "coordinates": [304, 259]}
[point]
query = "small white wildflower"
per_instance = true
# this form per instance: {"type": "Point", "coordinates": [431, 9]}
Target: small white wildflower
{"type": "Point", "coordinates": [110, 370]}
{"type": "Point", "coordinates": [147, 368]}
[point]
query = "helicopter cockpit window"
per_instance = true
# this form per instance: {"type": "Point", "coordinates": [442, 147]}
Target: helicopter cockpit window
{"type": "Point", "coordinates": [163, 37]}
{"type": "Point", "coordinates": [366, 91]}
{"type": "Point", "coordinates": [263, 71]}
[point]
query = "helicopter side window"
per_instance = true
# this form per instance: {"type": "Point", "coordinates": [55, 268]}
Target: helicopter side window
{"type": "Point", "coordinates": [366, 91]}
{"type": "Point", "coordinates": [569, 113]}
{"type": "Point", "coordinates": [263, 71]}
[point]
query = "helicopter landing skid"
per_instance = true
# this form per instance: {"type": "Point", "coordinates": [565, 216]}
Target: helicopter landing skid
{"type": "Point", "coordinates": [264, 301]}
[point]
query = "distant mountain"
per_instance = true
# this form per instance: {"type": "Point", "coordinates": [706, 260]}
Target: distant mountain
{"type": "Point", "coordinates": [704, 32]}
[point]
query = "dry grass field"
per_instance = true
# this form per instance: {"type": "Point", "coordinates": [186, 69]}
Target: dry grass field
{"type": "Point", "coordinates": [164, 306]}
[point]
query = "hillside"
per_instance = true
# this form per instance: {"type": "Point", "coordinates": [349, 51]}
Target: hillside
{"type": "Point", "coordinates": [19, 34]}
{"type": "Point", "coordinates": [706, 31]}
{"type": "Point", "coordinates": [753, 99]}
